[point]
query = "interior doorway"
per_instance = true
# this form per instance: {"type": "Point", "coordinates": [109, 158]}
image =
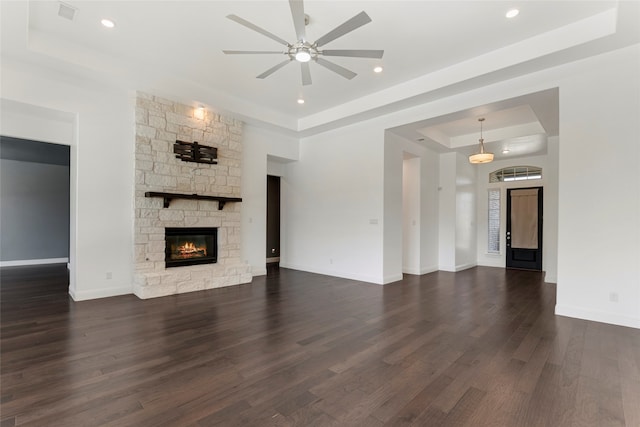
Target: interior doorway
{"type": "Point", "coordinates": [273, 220]}
{"type": "Point", "coordinates": [524, 228]}
{"type": "Point", "coordinates": [34, 202]}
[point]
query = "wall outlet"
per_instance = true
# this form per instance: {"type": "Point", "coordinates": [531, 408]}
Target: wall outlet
{"type": "Point", "coordinates": [613, 297]}
{"type": "Point", "coordinates": [109, 275]}
{"type": "Point", "coordinates": [330, 260]}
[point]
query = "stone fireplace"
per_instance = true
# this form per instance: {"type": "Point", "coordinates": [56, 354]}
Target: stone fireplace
{"type": "Point", "coordinates": [201, 235]}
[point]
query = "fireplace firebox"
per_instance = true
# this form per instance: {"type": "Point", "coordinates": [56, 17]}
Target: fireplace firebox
{"type": "Point", "coordinates": [190, 246]}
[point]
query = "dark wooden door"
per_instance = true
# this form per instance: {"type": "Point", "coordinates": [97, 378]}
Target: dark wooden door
{"type": "Point", "coordinates": [273, 219]}
{"type": "Point", "coordinates": [524, 228]}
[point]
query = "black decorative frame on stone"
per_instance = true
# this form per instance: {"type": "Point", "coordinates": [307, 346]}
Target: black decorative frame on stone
{"type": "Point", "coordinates": [194, 152]}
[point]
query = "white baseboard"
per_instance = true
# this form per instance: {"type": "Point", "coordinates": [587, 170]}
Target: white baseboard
{"type": "Point", "coordinates": [464, 267]}
{"type": "Point", "coordinates": [391, 278]}
{"type": "Point", "coordinates": [456, 268]}
{"type": "Point", "coordinates": [429, 269]}
{"type": "Point", "coordinates": [411, 270]}
{"type": "Point", "coordinates": [597, 316]}
{"type": "Point", "coordinates": [34, 262]}
{"type": "Point", "coordinates": [420, 271]}
{"type": "Point", "coordinates": [100, 293]}
{"type": "Point", "coordinates": [333, 273]}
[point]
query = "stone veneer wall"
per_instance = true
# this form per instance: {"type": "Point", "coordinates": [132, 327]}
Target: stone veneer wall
{"type": "Point", "coordinates": [159, 122]}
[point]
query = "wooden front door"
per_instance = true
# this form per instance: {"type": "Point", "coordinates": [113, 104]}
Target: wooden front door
{"type": "Point", "coordinates": [524, 228]}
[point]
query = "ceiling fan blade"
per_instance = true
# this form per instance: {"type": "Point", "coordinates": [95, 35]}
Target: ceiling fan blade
{"type": "Point", "coordinates": [297, 11]}
{"type": "Point", "coordinates": [348, 74]}
{"type": "Point", "coordinates": [356, 22]}
{"type": "Point", "coordinates": [306, 74]}
{"type": "Point", "coordinates": [359, 53]}
{"type": "Point", "coordinates": [251, 52]}
{"type": "Point", "coordinates": [257, 29]}
{"type": "Point", "coordinates": [273, 69]}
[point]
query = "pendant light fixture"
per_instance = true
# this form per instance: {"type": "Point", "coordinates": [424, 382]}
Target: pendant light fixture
{"type": "Point", "coordinates": [481, 157]}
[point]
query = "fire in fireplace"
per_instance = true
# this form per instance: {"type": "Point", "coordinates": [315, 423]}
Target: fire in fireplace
{"type": "Point", "coordinates": [190, 246]}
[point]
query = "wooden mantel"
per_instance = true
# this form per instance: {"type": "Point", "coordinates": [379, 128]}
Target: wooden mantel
{"type": "Point", "coordinates": [168, 197]}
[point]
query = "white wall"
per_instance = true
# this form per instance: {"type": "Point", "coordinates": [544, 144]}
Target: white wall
{"type": "Point", "coordinates": [465, 215]}
{"type": "Point", "coordinates": [429, 220]}
{"type": "Point", "coordinates": [333, 201]}
{"type": "Point", "coordinates": [393, 218]}
{"type": "Point", "coordinates": [599, 189]}
{"type": "Point", "coordinates": [550, 206]}
{"type": "Point", "coordinates": [100, 120]}
{"type": "Point", "coordinates": [447, 212]}
{"type": "Point", "coordinates": [411, 215]}
{"type": "Point", "coordinates": [34, 122]}
{"type": "Point", "coordinates": [34, 212]}
{"type": "Point", "coordinates": [424, 234]}
{"type": "Point", "coordinates": [457, 213]}
{"type": "Point", "coordinates": [260, 147]}
{"type": "Point", "coordinates": [549, 182]}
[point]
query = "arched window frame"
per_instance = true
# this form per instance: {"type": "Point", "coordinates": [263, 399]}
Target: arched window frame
{"type": "Point", "coordinates": [515, 173]}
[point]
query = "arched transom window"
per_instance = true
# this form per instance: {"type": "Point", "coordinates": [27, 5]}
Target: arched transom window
{"type": "Point", "coordinates": [516, 173]}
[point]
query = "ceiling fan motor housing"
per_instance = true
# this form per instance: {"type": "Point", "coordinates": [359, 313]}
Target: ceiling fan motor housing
{"type": "Point", "coordinates": [303, 52]}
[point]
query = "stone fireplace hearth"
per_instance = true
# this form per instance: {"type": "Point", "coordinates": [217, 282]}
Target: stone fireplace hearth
{"type": "Point", "coordinates": [159, 123]}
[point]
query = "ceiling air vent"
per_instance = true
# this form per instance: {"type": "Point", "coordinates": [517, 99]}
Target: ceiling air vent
{"type": "Point", "coordinates": [66, 11]}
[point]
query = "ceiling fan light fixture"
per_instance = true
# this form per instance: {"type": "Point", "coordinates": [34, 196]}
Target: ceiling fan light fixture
{"type": "Point", "coordinates": [302, 55]}
{"type": "Point", "coordinates": [481, 157]}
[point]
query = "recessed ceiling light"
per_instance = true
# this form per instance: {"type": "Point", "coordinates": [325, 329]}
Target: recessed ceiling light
{"type": "Point", "coordinates": [505, 151]}
{"type": "Point", "coordinates": [300, 101]}
{"type": "Point", "coordinates": [377, 69]}
{"type": "Point", "coordinates": [108, 23]}
{"type": "Point", "coordinates": [512, 13]}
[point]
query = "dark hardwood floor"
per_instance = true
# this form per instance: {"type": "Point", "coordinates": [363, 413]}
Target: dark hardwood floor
{"type": "Point", "coordinates": [477, 348]}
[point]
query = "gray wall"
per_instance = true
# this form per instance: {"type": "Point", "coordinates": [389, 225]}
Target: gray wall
{"type": "Point", "coordinates": [34, 210]}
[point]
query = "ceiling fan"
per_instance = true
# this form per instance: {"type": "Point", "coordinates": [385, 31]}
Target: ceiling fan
{"type": "Point", "coordinates": [303, 51]}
